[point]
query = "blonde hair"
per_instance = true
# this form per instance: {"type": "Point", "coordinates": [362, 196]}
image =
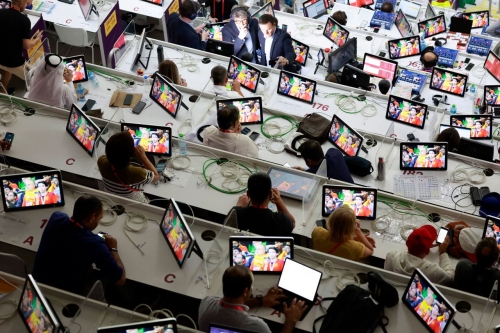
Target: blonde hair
{"type": "Point", "coordinates": [342, 224]}
{"type": "Point", "coordinates": [169, 69]}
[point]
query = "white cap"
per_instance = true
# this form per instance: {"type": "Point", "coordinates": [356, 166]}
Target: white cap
{"type": "Point", "coordinates": [469, 239]}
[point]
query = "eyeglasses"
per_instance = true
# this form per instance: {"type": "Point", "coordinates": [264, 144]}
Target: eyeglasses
{"type": "Point", "coordinates": [241, 21]}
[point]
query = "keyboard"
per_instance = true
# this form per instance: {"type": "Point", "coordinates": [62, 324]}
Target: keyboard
{"type": "Point", "coordinates": [288, 300]}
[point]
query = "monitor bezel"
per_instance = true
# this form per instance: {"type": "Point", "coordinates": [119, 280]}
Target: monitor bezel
{"type": "Point", "coordinates": [475, 116]}
{"type": "Point", "coordinates": [139, 48]}
{"type": "Point", "coordinates": [477, 12]}
{"type": "Point", "coordinates": [412, 2]}
{"type": "Point", "coordinates": [432, 19]}
{"type": "Point", "coordinates": [309, 3]}
{"type": "Point", "coordinates": [361, 139]}
{"type": "Point", "coordinates": [486, 60]}
{"type": "Point", "coordinates": [381, 59]}
{"type": "Point", "coordinates": [257, 98]}
{"type": "Point", "coordinates": [302, 78]}
{"type": "Point", "coordinates": [159, 322]}
{"type": "Point", "coordinates": [431, 10]}
{"type": "Point", "coordinates": [301, 44]}
{"type": "Point", "coordinates": [496, 220]}
{"type": "Point", "coordinates": [341, 28]}
{"type": "Point", "coordinates": [360, 188]}
{"type": "Point", "coordinates": [457, 128]}
{"type": "Point", "coordinates": [415, 143]}
{"type": "Point", "coordinates": [75, 108]}
{"type": "Point", "coordinates": [319, 281]}
{"type": "Point", "coordinates": [400, 39]}
{"type": "Point", "coordinates": [164, 128]}
{"type": "Point", "coordinates": [249, 67]}
{"type": "Point", "coordinates": [160, 77]}
{"type": "Point", "coordinates": [435, 69]}
{"type": "Point", "coordinates": [311, 177]}
{"type": "Point", "coordinates": [489, 107]}
{"type": "Point", "coordinates": [389, 102]}
{"type": "Point", "coordinates": [84, 67]}
{"type": "Point", "coordinates": [405, 19]}
{"type": "Point", "coordinates": [334, 53]}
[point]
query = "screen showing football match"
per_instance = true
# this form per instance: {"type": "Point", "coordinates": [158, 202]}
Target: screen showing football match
{"type": "Point", "coordinates": [491, 94]}
{"type": "Point", "coordinates": [33, 310]}
{"type": "Point", "coordinates": [82, 129]}
{"type": "Point", "coordinates": [4, 4]}
{"type": "Point", "coordinates": [297, 87]}
{"type": "Point", "coordinates": [479, 19]}
{"type": "Point", "coordinates": [215, 31]}
{"type": "Point", "coordinates": [261, 254]}
{"type": "Point", "coordinates": [492, 229]}
{"type": "Point", "coordinates": [406, 111]}
{"type": "Point", "coordinates": [292, 184]}
{"type": "Point", "coordinates": [243, 73]}
{"type": "Point", "coordinates": [431, 155]}
{"type": "Point", "coordinates": [405, 47]}
{"type": "Point", "coordinates": [344, 137]}
{"type": "Point", "coordinates": [433, 26]}
{"type": "Point", "coordinates": [165, 95]}
{"type": "Point", "coordinates": [176, 233]}
{"type": "Point", "coordinates": [140, 328]}
{"type": "Point", "coordinates": [402, 24]}
{"type": "Point", "coordinates": [301, 52]}
{"type": "Point", "coordinates": [363, 201]}
{"type": "Point", "coordinates": [334, 32]}
{"type": "Point", "coordinates": [250, 109]}
{"type": "Point", "coordinates": [480, 126]}
{"type": "Point", "coordinates": [76, 65]}
{"type": "Point", "coordinates": [492, 65]}
{"type": "Point", "coordinates": [153, 139]}
{"type": "Point", "coordinates": [447, 81]}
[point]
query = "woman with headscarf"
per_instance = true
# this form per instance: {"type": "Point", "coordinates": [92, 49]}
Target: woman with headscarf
{"type": "Point", "coordinates": [47, 85]}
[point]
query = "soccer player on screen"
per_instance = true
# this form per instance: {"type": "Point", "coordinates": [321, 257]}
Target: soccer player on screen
{"type": "Point", "coordinates": [11, 200]}
{"type": "Point", "coordinates": [303, 94]}
{"type": "Point", "coordinates": [259, 258]}
{"type": "Point", "coordinates": [414, 119]}
{"type": "Point", "coordinates": [42, 197]}
{"type": "Point", "coordinates": [359, 208]}
{"type": "Point", "coordinates": [29, 193]}
{"type": "Point", "coordinates": [154, 145]}
{"type": "Point", "coordinates": [272, 263]}
{"type": "Point", "coordinates": [431, 160]}
{"type": "Point", "coordinates": [478, 131]}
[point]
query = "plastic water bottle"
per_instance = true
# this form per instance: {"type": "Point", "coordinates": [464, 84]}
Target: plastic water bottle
{"type": "Point", "coordinates": [146, 80]}
{"type": "Point", "coordinates": [476, 109]}
{"type": "Point", "coordinates": [472, 91]}
{"type": "Point", "coordinates": [422, 42]}
{"type": "Point", "coordinates": [93, 78]}
{"type": "Point", "coordinates": [182, 145]}
{"type": "Point", "coordinates": [453, 109]}
{"type": "Point", "coordinates": [80, 92]}
{"type": "Point", "coordinates": [381, 169]}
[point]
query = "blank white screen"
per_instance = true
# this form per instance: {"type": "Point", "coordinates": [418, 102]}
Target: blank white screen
{"type": "Point", "coordinates": [299, 279]}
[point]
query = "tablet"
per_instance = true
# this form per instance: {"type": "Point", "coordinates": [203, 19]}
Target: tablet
{"type": "Point", "coordinates": [335, 33]}
{"type": "Point", "coordinates": [492, 228]}
{"type": "Point", "coordinates": [247, 75]}
{"type": "Point", "coordinates": [406, 111]}
{"type": "Point", "coordinates": [490, 95]}
{"type": "Point", "coordinates": [404, 47]}
{"type": "Point", "coordinates": [448, 81]}
{"type": "Point", "coordinates": [423, 156]}
{"type": "Point", "coordinates": [167, 325]}
{"type": "Point", "coordinates": [296, 87]}
{"type": "Point", "coordinates": [362, 200]}
{"type": "Point", "coordinates": [432, 26]}
{"type": "Point", "coordinates": [266, 9]}
{"type": "Point", "coordinates": [76, 65]}
{"type": "Point", "coordinates": [429, 12]}
{"type": "Point", "coordinates": [462, 132]}
{"type": "Point", "coordinates": [250, 109]}
{"type": "Point", "coordinates": [24, 191]}
{"type": "Point", "coordinates": [314, 9]}
{"type": "Point", "coordinates": [301, 52]}
{"type": "Point", "coordinates": [344, 137]}
{"type": "Point", "coordinates": [402, 24]}
{"type": "Point", "coordinates": [409, 8]}
{"type": "Point", "coordinates": [293, 184]}
{"type": "Point", "coordinates": [492, 65]}
{"type": "Point", "coordinates": [156, 140]}
{"type": "Point", "coordinates": [480, 126]}
{"type": "Point", "coordinates": [82, 129]}
{"type": "Point", "coordinates": [262, 255]}
{"type": "Point", "coordinates": [165, 95]}
{"type": "Point", "coordinates": [479, 19]}
{"type": "Point", "coordinates": [215, 31]}
{"type": "Point", "coordinates": [5, 4]}
{"type": "Point", "coordinates": [426, 302]}
{"type": "Point", "coordinates": [380, 67]}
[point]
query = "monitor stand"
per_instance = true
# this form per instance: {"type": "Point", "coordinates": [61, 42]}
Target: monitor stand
{"type": "Point", "coordinates": [94, 10]}
{"type": "Point", "coordinates": [149, 55]}
{"type": "Point", "coordinates": [196, 249]}
{"type": "Point", "coordinates": [317, 66]}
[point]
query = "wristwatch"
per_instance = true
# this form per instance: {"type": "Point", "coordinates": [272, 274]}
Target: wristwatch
{"type": "Point", "coordinates": [113, 249]}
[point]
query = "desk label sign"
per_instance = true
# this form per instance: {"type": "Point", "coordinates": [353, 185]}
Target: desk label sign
{"type": "Point", "coordinates": [110, 23]}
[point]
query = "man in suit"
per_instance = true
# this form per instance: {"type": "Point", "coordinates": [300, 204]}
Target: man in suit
{"type": "Point", "coordinates": [181, 32]}
{"type": "Point", "coordinates": [243, 32]}
{"type": "Point", "coordinates": [275, 44]}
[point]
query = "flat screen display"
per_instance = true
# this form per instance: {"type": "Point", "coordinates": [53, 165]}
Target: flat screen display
{"type": "Point", "coordinates": [85, 7]}
{"type": "Point", "coordinates": [404, 47]}
{"type": "Point", "coordinates": [138, 50]}
{"type": "Point", "coordinates": [362, 200]}
{"type": "Point", "coordinates": [479, 19]}
{"type": "Point", "coordinates": [82, 129]}
{"type": "Point", "coordinates": [462, 132]}
{"type": "Point", "coordinates": [301, 52]}
{"type": "Point", "coordinates": [300, 279]}
{"type": "Point", "coordinates": [174, 228]}
{"type": "Point", "coordinates": [165, 95]}
{"type": "Point", "coordinates": [296, 87]}
{"type": "Point", "coordinates": [341, 56]}
{"type": "Point", "coordinates": [266, 9]}
{"type": "Point", "coordinates": [410, 9]}
{"type": "Point", "coordinates": [262, 255]}
{"type": "Point", "coordinates": [423, 156]}
{"type": "Point", "coordinates": [4, 4]}
{"type": "Point", "coordinates": [335, 33]}
{"type": "Point", "coordinates": [424, 301]}
{"type": "Point", "coordinates": [480, 125]}
{"type": "Point", "coordinates": [250, 109]}
{"type": "Point", "coordinates": [215, 31]}
{"type": "Point", "coordinates": [492, 228]}
{"type": "Point", "coordinates": [491, 94]}
{"type": "Point", "coordinates": [492, 65]}
{"type": "Point", "coordinates": [379, 67]}
{"type": "Point", "coordinates": [447, 81]}
{"type": "Point", "coordinates": [402, 24]}
{"type": "Point", "coordinates": [406, 111]}
{"type": "Point", "coordinates": [240, 71]}
{"type": "Point", "coordinates": [344, 137]}
{"type": "Point", "coordinates": [156, 140]}
{"type": "Point", "coordinates": [76, 65]}
{"type": "Point", "coordinates": [293, 184]}
{"type": "Point", "coordinates": [168, 325]}
{"type": "Point", "coordinates": [432, 26]}
{"type": "Point", "coordinates": [315, 9]}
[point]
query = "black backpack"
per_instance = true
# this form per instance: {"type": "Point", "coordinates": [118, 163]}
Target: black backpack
{"type": "Point", "coordinates": [353, 311]}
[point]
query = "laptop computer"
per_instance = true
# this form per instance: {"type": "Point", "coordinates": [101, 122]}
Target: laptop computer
{"type": "Point", "coordinates": [220, 47]}
{"type": "Point", "coordinates": [301, 282]}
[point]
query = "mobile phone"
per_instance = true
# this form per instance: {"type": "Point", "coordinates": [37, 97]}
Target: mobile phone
{"type": "Point", "coordinates": [467, 60]}
{"type": "Point", "coordinates": [102, 234]}
{"type": "Point", "coordinates": [138, 107]}
{"type": "Point", "coordinates": [161, 165]}
{"type": "Point", "coordinates": [363, 24]}
{"type": "Point", "coordinates": [88, 106]}
{"type": "Point", "coordinates": [483, 191]}
{"type": "Point", "coordinates": [469, 66]}
{"type": "Point", "coordinates": [128, 99]}
{"type": "Point", "coordinates": [7, 141]}
{"type": "Point", "coordinates": [376, 30]}
{"type": "Point", "coordinates": [321, 223]}
{"type": "Point", "coordinates": [287, 165]}
{"type": "Point", "coordinates": [245, 130]}
{"type": "Point", "coordinates": [381, 54]}
{"type": "Point", "coordinates": [443, 232]}
{"type": "Point", "coordinates": [284, 27]}
{"type": "Point", "coordinates": [475, 196]}
{"type": "Point", "coordinates": [254, 136]}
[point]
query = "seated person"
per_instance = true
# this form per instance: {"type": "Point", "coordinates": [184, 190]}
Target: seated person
{"type": "Point", "coordinates": [232, 309]}
{"type": "Point", "coordinates": [451, 136]}
{"type": "Point", "coordinates": [118, 175]}
{"type": "Point", "coordinates": [220, 79]}
{"type": "Point", "coordinates": [221, 9]}
{"type": "Point", "coordinates": [253, 215]}
{"type": "Point", "coordinates": [419, 243]}
{"type": "Point", "coordinates": [281, 49]}
{"type": "Point", "coordinates": [340, 17]}
{"type": "Point", "coordinates": [228, 136]}
{"type": "Point", "coordinates": [342, 236]}
{"type": "Point", "coordinates": [479, 278]}
{"type": "Point", "coordinates": [313, 155]}
{"type": "Point", "coordinates": [180, 31]}
{"type": "Point", "coordinates": [243, 32]}
{"type": "Point", "coordinates": [68, 249]}
{"type": "Point", "coordinates": [429, 60]}
{"type": "Point", "coordinates": [332, 78]}
{"type": "Point", "coordinates": [47, 85]}
{"type": "Point", "coordinates": [169, 70]}
{"type": "Point", "coordinates": [387, 7]}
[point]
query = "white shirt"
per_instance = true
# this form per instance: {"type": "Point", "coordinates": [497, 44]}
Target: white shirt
{"type": "Point", "coordinates": [232, 142]}
{"type": "Point", "coordinates": [222, 91]}
{"type": "Point", "coordinates": [267, 47]}
{"type": "Point", "coordinates": [68, 95]}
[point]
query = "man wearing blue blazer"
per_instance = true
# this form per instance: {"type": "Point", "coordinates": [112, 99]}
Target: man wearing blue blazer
{"type": "Point", "coordinates": [243, 32]}
{"type": "Point", "coordinates": [180, 28]}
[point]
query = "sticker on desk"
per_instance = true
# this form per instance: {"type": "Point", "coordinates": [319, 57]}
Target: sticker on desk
{"type": "Point", "coordinates": [417, 187]}
{"type": "Point", "coordinates": [43, 6]}
{"type": "Point", "coordinates": [12, 230]}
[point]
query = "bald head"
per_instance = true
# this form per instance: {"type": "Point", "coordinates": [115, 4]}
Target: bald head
{"type": "Point", "coordinates": [429, 59]}
{"type": "Point", "coordinates": [237, 281]}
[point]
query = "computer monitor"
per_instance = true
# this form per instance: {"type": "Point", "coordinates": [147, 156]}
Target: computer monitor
{"type": "Point", "coordinates": [404, 47]}
{"type": "Point", "coordinates": [77, 66]}
{"type": "Point", "coordinates": [429, 11]}
{"type": "Point", "coordinates": [492, 65]}
{"type": "Point", "coordinates": [360, 3]}
{"type": "Point", "coordinates": [292, 183]}
{"type": "Point", "coordinates": [335, 33]}
{"type": "Point", "coordinates": [315, 9]}
{"type": "Point", "coordinates": [341, 56]}
{"type": "Point", "coordinates": [5, 4]}
{"type": "Point", "coordinates": [362, 200]}
{"type": "Point", "coordinates": [491, 95]}
{"type": "Point", "coordinates": [215, 30]}
{"type": "Point", "coordinates": [459, 24]}
{"type": "Point", "coordinates": [247, 75]}
{"type": "Point", "coordinates": [432, 26]}
{"type": "Point", "coordinates": [346, 139]}
{"type": "Point", "coordinates": [165, 95]}
{"type": "Point", "coordinates": [481, 126]}
{"type": "Point", "coordinates": [35, 311]}
{"type": "Point", "coordinates": [354, 77]}
{"type": "Point", "coordinates": [82, 129]}
{"type": "Point", "coordinates": [406, 111]}
{"type": "Point", "coordinates": [476, 149]}
{"type": "Point", "coordinates": [380, 67]}
{"type": "Point", "coordinates": [166, 325]}
{"type": "Point", "coordinates": [423, 156]}
{"type": "Point", "coordinates": [462, 132]}
{"type": "Point", "coordinates": [156, 140]}
{"type": "Point", "coordinates": [220, 47]}
{"type": "Point", "coordinates": [250, 108]}
{"type": "Point", "coordinates": [86, 8]}
{"type": "Point", "coordinates": [447, 81]}
{"type": "Point", "coordinates": [297, 87]}
{"type": "Point", "coordinates": [402, 24]}
{"type": "Point", "coordinates": [479, 19]}
{"type": "Point", "coordinates": [301, 52]}
{"type": "Point", "coordinates": [138, 49]}
{"type": "Point", "coordinates": [492, 228]}
{"type": "Point", "coordinates": [409, 8]}
{"type": "Point", "coordinates": [266, 9]}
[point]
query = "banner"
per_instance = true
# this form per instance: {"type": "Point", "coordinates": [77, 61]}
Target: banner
{"type": "Point", "coordinates": [109, 32]}
{"type": "Point", "coordinates": [172, 8]}
{"type": "Point", "coordinates": [38, 26]}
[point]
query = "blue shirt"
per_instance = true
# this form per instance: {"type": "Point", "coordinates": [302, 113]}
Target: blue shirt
{"type": "Point", "coordinates": [67, 251]}
{"type": "Point", "coordinates": [335, 166]}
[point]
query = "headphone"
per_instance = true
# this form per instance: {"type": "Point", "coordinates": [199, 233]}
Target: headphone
{"type": "Point", "coordinates": [439, 41]}
{"type": "Point", "coordinates": [236, 8]}
{"type": "Point", "coordinates": [194, 14]}
{"type": "Point", "coordinates": [436, 99]}
{"type": "Point", "coordinates": [48, 61]}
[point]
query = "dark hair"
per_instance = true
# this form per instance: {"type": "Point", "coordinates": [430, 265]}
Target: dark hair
{"type": "Point", "coordinates": [237, 249]}
{"type": "Point", "coordinates": [42, 182]}
{"type": "Point", "coordinates": [273, 248]}
{"type": "Point", "coordinates": [235, 280]}
{"type": "Point", "coordinates": [169, 70]}
{"type": "Point", "coordinates": [451, 136]}
{"type": "Point", "coordinates": [429, 63]}
{"type": "Point", "coordinates": [359, 196]}
{"type": "Point", "coordinates": [387, 7]}
{"type": "Point", "coordinates": [268, 18]}
{"type": "Point", "coordinates": [332, 78]}
{"type": "Point", "coordinates": [156, 134]}
{"type": "Point", "coordinates": [119, 149]}
{"type": "Point", "coordinates": [227, 117]}
{"type": "Point", "coordinates": [188, 7]}
{"type": "Point", "coordinates": [487, 252]}
{"type": "Point", "coordinates": [85, 206]}
{"type": "Point", "coordinates": [259, 187]}
{"type": "Point", "coordinates": [340, 17]}
{"type": "Point", "coordinates": [219, 75]}
{"type": "Point", "coordinates": [8, 186]}
{"type": "Point", "coordinates": [311, 150]}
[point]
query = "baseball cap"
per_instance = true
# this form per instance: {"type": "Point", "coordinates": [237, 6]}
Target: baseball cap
{"type": "Point", "coordinates": [490, 205]}
{"type": "Point", "coordinates": [468, 239]}
{"type": "Point", "coordinates": [421, 239]}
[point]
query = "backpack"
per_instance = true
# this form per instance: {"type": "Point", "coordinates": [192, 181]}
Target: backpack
{"type": "Point", "coordinates": [353, 311]}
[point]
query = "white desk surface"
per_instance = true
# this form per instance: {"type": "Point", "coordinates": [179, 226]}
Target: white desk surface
{"type": "Point", "coordinates": [144, 8]}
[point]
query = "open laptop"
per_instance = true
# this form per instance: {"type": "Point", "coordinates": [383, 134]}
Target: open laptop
{"type": "Point", "coordinates": [220, 47]}
{"type": "Point", "coordinates": [301, 282]}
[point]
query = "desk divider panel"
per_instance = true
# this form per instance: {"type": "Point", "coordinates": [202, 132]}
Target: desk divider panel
{"type": "Point", "coordinates": [122, 46]}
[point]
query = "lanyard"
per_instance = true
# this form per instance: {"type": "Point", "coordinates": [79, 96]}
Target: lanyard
{"type": "Point", "coordinates": [334, 248]}
{"type": "Point", "coordinates": [214, 14]}
{"type": "Point", "coordinates": [225, 131]}
{"type": "Point", "coordinates": [231, 306]}
{"type": "Point", "coordinates": [76, 223]}
{"type": "Point", "coordinates": [260, 207]}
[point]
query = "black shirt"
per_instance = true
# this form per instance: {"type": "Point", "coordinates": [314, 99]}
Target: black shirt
{"type": "Point", "coordinates": [15, 27]}
{"type": "Point", "coordinates": [217, 6]}
{"type": "Point", "coordinates": [263, 222]}
{"type": "Point", "coordinates": [472, 279]}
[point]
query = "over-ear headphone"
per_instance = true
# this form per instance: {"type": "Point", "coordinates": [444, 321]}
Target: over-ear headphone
{"type": "Point", "coordinates": [436, 99]}
{"type": "Point", "coordinates": [439, 41]}
{"type": "Point", "coordinates": [236, 8]}
{"type": "Point", "coordinates": [194, 14]}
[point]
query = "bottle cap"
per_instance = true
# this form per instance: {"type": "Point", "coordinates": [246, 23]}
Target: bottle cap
{"type": "Point", "coordinates": [453, 106]}
{"type": "Point", "coordinates": [181, 135]}
{"type": "Point", "coordinates": [145, 77]}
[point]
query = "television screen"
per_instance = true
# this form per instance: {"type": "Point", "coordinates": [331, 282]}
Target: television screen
{"type": "Point", "coordinates": [85, 7]}
{"type": "Point", "coordinates": [429, 12]}
{"type": "Point", "coordinates": [490, 96]}
{"type": "Point", "coordinates": [335, 33]}
{"type": "Point", "coordinates": [293, 184]}
{"type": "Point", "coordinates": [341, 56]}
{"type": "Point", "coordinates": [76, 65]}
{"type": "Point", "coordinates": [432, 26]}
{"type": "Point", "coordinates": [5, 4]}
{"type": "Point", "coordinates": [362, 200]}
{"type": "Point", "coordinates": [492, 228]}
{"type": "Point", "coordinates": [82, 129]}
{"type": "Point", "coordinates": [479, 19]}
{"type": "Point", "coordinates": [462, 132]}
{"type": "Point", "coordinates": [492, 65]}
{"type": "Point", "coordinates": [263, 255]}
{"type": "Point", "coordinates": [404, 47]}
{"type": "Point", "coordinates": [301, 52]}
{"type": "Point", "coordinates": [165, 95]}
{"type": "Point", "coordinates": [168, 325]}
{"type": "Point", "coordinates": [344, 137]}
{"type": "Point", "coordinates": [410, 9]}
{"type": "Point", "coordinates": [250, 109]}
{"type": "Point", "coordinates": [215, 31]}
{"type": "Point", "coordinates": [406, 111]}
{"type": "Point", "coordinates": [296, 87]}
{"type": "Point", "coordinates": [480, 125]}
{"type": "Point", "coordinates": [315, 9]}
{"type": "Point", "coordinates": [402, 24]}
{"type": "Point", "coordinates": [423, 156]}
{"type": "Point", "coordinates": [266, 9]}
{"type": "Point", "coordinates": [244, 73]}
{"type": "Point", "coordinates": [447, 81]}
{"type": "Point", "coordinates": [380, 67]}
{"type": "Point", "coordinates": [156, 140]}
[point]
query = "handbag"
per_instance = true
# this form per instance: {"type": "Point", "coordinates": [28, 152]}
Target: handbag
{"type": "Point", "coordinates": [358, 165]}
{"type": "Point", "coordinates": [314, 126]}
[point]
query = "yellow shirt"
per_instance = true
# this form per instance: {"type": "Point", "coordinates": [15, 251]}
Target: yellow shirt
{"type": "Point", "coordinates": [352, 250]}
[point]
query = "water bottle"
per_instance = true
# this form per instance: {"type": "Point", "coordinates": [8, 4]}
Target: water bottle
{"type": "Point", "coordinates": [453, 109]}
{"type": "Point", "coordinates": [146, 80]}
{"type": "Point", "coordinates": [381, 169]}
{"type": "Point", "coordinates": [182, 145]}
{"type": "Point", "coordinates": [159, 51]}
{"type": "Point", "coordinates": [80, 92]}
{"type": "Point", "coordinates": [93, 78]}
{"type": "Point", "coordinates": [476, 109]}
{"type": "Point", "coordinates": [472, 91]}
{"type": "Point", "coordinates": [422, 42]}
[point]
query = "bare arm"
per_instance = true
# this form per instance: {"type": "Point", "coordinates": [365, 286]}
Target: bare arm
{"type": "Point", "coordinates": [369, 243]}
{"type": "Point", "coordinates": [280, 205]}
{"type": "Point", "coordinates": [141, 154]}
{"type": "Point", "coordinates": [29, 43]}
{"type": "Point", "coordinates": [113, 244]}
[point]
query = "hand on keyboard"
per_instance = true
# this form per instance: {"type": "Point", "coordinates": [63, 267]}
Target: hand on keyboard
{"type": "Point", "coordinates": [273, 297]}
{"type": "Point", "coordinates": [294, 311]}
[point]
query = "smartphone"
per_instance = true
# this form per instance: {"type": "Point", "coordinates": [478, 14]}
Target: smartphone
{"type": "Point", "coordinates": [376, 30]}
{"type": "Point", "coordinates": [443, 232]}
{"type": "Point", "coordinates": [284, 27]}
{"type": "Point", "coordinates": [128, 99]}
{"type": "Point", "coordinates": [381, 54]}
{"type": "Point", "coordinates": [138, 107]}
{"type": "Point", "coordinates": [161, 165]}
{"type": "Point", "coordinates": [7, 141]}
{"type": "Point", "coordinates": [88, 106]}
{"type": "Point", "coordinates": [245, 130]}
{"type": "Point", "coordinates": [363, 24]}
{"type": "Point", "coordinates": [254, 136]}
{"type": "Point", "coordinates": [483, 191]}
{"type": "Point", "coordinates": [475, 196]}
{"type": "Point", "coordinates": [321, 223]}
{"type": "Point", "coordinates": [467, 60]}
{"type": "Point", "coordinates": [102, 234]}
{"type": "Point", "coordinates": [469, 66]}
